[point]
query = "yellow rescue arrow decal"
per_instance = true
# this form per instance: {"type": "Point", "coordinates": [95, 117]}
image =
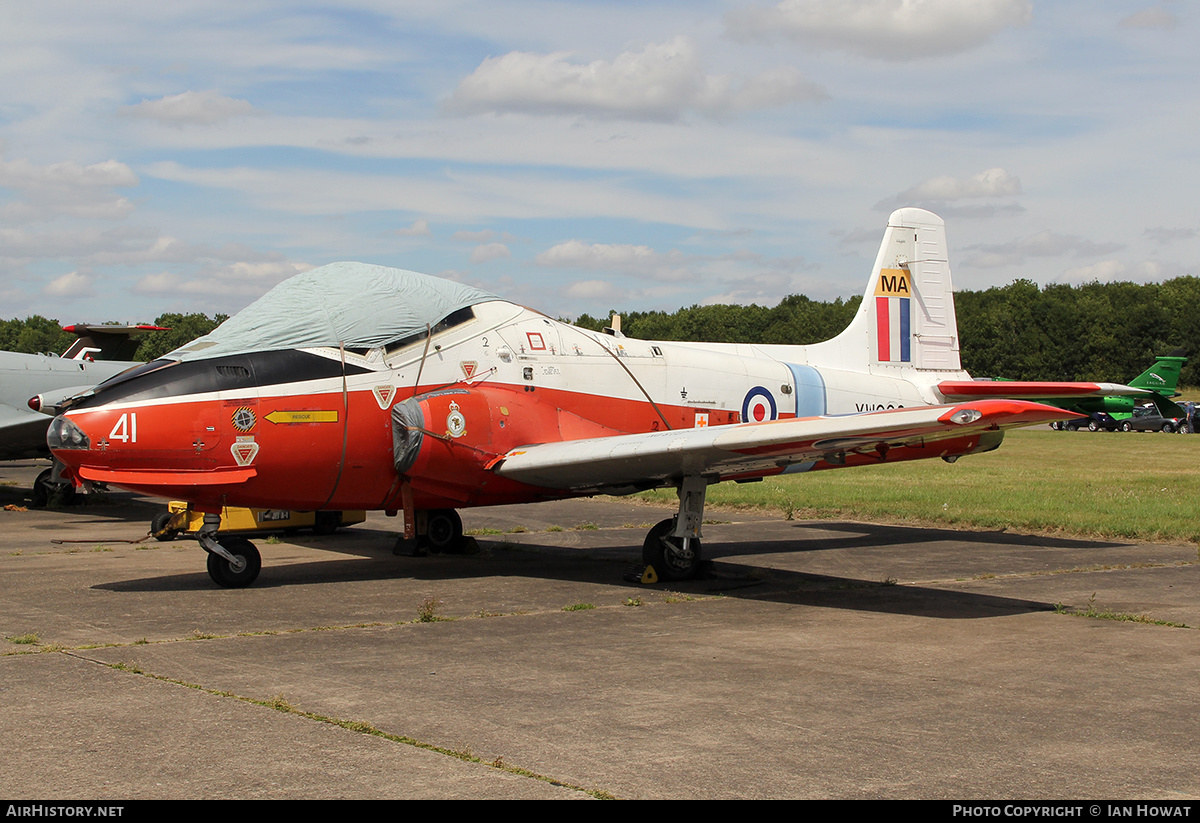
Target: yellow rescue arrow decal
{"type": "Point", "coordinates": [303, 416]}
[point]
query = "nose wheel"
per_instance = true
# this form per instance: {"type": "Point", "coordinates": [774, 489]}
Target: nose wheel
{"type": "Point", "coordinates": [237, 566]}
{"type": "Point", "coordinates": [233, 562]}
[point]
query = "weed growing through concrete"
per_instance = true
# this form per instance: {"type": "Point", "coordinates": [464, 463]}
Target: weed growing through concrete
{"type": "Point", "coordinates": [23, 639]}
{"type": "Point", "coordinates": [579, 607]}
{"type": "Point", "coordinates": [428, 611]}
{"type": "Point", "coordinates": [1108, 614]}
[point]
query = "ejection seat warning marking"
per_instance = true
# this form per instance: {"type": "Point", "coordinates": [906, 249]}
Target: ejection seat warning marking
{"type": "Point", "coordinates": [303, 417]}
{"type": "Point", "coordinates": [383, 395]}
{"type": "Point", "coordinates": [243, 419]}
{"type": "Point", "coordinates": [244, 450]}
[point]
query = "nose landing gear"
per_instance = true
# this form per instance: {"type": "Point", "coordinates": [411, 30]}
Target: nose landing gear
{"type": "Point", "coordinates": [234, 562]}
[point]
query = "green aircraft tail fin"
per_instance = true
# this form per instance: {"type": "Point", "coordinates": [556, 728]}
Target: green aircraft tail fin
{"type": "Point", "coordinates": [1163, 376]}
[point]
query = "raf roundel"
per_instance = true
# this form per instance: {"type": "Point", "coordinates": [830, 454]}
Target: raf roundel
{"type": "Point", "coordinates": [758, 406]}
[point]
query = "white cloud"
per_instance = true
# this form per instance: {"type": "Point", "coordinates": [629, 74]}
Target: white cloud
{"type": "Point", "coordinates": [575, 254]}
{"type": "Point", "coordinates": [885, 29]}
{"type": "Point", "coordinates": [1152, 18]}
{"type": "Point", "coordinates": [192, 108]}
{"type": "Point", "coordinates": [1042, 244]}
{"type": "Point", "coordinates": [935, 192]}
{"type": "Point", "coordinates": [1109, 270]}
{"type": "Point", "coordinates": [419, 228]}
{"type": "Point", "coordinates": [22, 174]}
{"type": "Point", "coordinates": [1164, 234]}
{"type": "Point", "coordinates": [489, 251]}
{"type": "Point", "coordinates": [70, 285]}
{"type": "Point", "coordinates": [662, 82]}
{"type": "Point", "coordinates": [625, 258]}
{"type": "Point", "coordinates": [464, 236]}
{"type": "Point", "coordinates": [66, 188]}
{"type": "Point", "coordinates": [595, 290]}
{"type": "Point", "coordinates": [220, 282]}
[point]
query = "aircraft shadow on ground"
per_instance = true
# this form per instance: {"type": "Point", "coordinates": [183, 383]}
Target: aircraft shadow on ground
{"type": "Point", "coordinates": [874, 535]}
{"type": "Point", "coordinates": [608, 564]}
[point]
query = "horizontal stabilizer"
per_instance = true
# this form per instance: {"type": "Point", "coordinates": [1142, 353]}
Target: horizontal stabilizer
{"type": "Point", "coordinates": [970, 389]}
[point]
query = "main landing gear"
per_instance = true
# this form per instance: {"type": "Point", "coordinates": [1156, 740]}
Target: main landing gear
{"type": "Point", "coordinates": [672, 548]}
{"type": "Point", "coordinates": [435, 531]}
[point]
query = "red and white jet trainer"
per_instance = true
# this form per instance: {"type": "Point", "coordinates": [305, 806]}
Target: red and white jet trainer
{"type": "Point", "coordinates": [361, 387]}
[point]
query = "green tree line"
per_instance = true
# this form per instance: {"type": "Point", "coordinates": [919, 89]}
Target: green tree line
{"type": "Point", "coordinates": [1096, 331]}
{"type": "Point", "coordinates": [39, 335]}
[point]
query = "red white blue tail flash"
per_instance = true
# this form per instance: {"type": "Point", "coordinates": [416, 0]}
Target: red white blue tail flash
{"type": "Point", "coordinates": [893, 317]}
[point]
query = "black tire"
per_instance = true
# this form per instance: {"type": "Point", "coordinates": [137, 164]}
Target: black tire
{"type": "Point", "coordinates": [46, 491]}
{"type": "Point", "coordinates": [1168, 428]}
{"type": "Point", "coordinates": [666, 554]}
{"type": "Point", "coordinates": [1072, 427]}
{"type": "Point", "coordinates": [224, 575]}
{"type": "Point", "coordinates": [159, 523]}
{"type": "Point", "coordinates": [1093, 426]}
{"type": "Point", "coordinates": [444, 530]}
{"type": "Point", "coordinates": [41, 490]}
{"type": "Point", "coordinates": [1126, 426]}
{"type": "Point", "coordinates": [327, 522]}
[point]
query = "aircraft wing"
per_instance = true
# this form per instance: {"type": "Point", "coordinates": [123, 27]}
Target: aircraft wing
{"type": "Point", "coordinates": [22, 433]}
{"type": "Point", "coordinates": [625, 462]}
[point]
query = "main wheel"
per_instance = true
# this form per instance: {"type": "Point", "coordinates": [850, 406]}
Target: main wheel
{"type": "Point", "coordinates": [241, 574]}
{"type": "Point", "coordinates": [41, 489]}
{"type": "Point", "coordinates": [159, 523]}
{"type": "Point", "coordinates": [1168, 428]}
{"type": "Point", "coordinates": [668, 556]}
{"type": "Point", "coordinates": [1126, 426]}
{"type": "Point", "coordinates": [46, 490]}
{"type": "Point", "coordinates": [327, 522]}
{"type": "Point", "coordinates": [1093, 426]}
{"type": "Point", "coordinates": [445, 530]}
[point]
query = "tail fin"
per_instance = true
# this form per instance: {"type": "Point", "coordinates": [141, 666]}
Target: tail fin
{"type": "Point", "coordinates": [106, 342]}
{"type": "Point", "coordinates": [1163, 376]}
{"type": "Point", "coordinates": [907, 318]}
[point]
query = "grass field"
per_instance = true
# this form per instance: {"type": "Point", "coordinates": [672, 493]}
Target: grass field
{"type": "Point", "coordinates": [1144, 486]}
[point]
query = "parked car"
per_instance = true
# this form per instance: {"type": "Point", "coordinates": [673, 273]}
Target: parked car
{"type": "Point", "coordinates": [1147, 418]}
{"type": "Point", "coordinates": [1096, 421]}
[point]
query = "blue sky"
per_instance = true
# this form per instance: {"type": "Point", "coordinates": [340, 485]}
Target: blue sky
{"type": "Point", "coordinates": [578, 157]}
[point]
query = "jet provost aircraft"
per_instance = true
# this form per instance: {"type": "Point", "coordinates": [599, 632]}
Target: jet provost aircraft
{"type": "Point", "coordinates": [361, 387]}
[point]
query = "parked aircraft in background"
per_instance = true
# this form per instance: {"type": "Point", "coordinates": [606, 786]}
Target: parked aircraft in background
{"type": "Point", "coordinates": [31, 386]}
{"type": "Point", "coordinates": [361, 387]}
{"type": "Point", "coordinates": [1114, 402]}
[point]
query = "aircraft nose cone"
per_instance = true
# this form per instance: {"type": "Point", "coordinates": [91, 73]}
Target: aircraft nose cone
{"type": "Point", "coordinates": [64, 435]}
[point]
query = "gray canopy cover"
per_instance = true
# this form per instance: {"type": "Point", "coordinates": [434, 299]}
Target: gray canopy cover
{"type": "Point", "coordinates": [355, 305]}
